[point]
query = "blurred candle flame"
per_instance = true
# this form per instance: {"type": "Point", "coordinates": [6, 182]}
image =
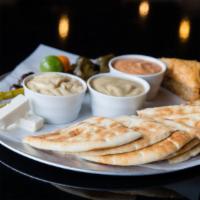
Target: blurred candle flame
{"type": "Point", "coordinates": [144, 8]}
{"type": "Point", "coordinates": [63, 27]}
{"type": "Point", "coordinates": [184, 29]}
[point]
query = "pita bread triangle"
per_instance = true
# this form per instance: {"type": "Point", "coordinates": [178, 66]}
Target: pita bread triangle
{"type": "Point", "coordinates": [180, 117]}
{"type": "Point", "coordinates": [151, 131]}
{"type": "Point", "coordinates": [85, 136]}
{"type": "Point", "coordinates": [168, 111]}
{"type": "Point", "coordinates": [155, 152]}
{"type": "Point", "coordinates": [186, 147]}
{"type": "Point", "coordinates": [180, 126]}
{"type": "Point", "coordinates": [185, 156]}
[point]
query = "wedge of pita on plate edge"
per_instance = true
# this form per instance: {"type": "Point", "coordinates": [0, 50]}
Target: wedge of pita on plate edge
{"type": "Point", "coordinates": [84, 137]}
{"type": "Point", "coordinates": [186, 148]}
{"type": "Point", "coordinates": [153, 153]}
{"type": "Point", "coordinates": [151, 131]}
{"type": "Point", "coordinates": [168, 110]}
{"type": "Point", "coordinates": [189, 123]}
{"type": "Point", "coordinates": [192, 120]}
{"type": "Point", "coordinates": [193, 131]}
{"type": "Point", "coordinates": [185, 156]}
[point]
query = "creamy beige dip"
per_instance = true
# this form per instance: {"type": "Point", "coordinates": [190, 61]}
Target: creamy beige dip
{"type": "Point", "coordinates": [118, 87]}
{"type": "Point", "coordinates": [54, 85]}
{"type": "Point", "coordinates": [136, 66]}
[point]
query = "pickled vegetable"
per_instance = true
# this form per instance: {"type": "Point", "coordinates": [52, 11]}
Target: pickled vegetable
{"type": "Point", "coordinates": [10, 94]}
{"type": "Point", "coordinates": [103, 63]}
{"type": "Point", "coordinates": [2, 105]}
{"type": "Point", "coordinates": [85, 68]}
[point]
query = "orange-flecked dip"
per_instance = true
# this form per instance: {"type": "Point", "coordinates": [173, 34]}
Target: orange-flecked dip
{"type": "Point", "coordinates": [136, 66]}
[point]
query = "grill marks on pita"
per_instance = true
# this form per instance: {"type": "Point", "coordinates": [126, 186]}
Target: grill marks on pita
{"type": "Point", "coordinates": [184, 117]}
{"type": "Point", "coordinates": [151, 131]}
{"type": "Point", "coordinates": [185, 156]}
{"type": "Point", "coordinates": [153, 153]}
{"type": "Point", "coordinates": [169, 110]}
{"type": "Point", "coordinates": [164, 133]}
{"type": "Point", "coordinates": [186, 148]}
{"type": "Point", "coordinates": [85, 136]}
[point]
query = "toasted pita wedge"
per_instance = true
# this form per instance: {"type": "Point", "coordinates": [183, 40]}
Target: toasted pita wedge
{"type": "Point", "coordinates": [85, 136]}
{"type": "Point", "coordinates": [185, 156]}
{"type": "Point", "coordinates": [168, 110]}
{"type": "Point", "coordinates": [186, 147]}
{"type": "Point", "coordinates": [183, 116]}
{"type": "Point", "coordinates": [151, 131]}
{"type": "Point", "coordinates": [153, 153]}
{"type": "Point", "coordinates": [192, 120]}
{"type": "Point", "coordinates": [195, 132]}
{"type": "Point", "coordinates": [102, 122]}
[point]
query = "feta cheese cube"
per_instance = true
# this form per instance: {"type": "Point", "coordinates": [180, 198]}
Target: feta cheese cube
{"type": "Point", "coordinates": [16, 109]}
{"type": "Point", "coordinates": [31, 122]}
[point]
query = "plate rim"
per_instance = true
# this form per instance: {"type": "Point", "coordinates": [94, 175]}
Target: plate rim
{"type": "Point", "coordinates": [81, 170]}
{"type": "Point", "coordinates": [108, 173]}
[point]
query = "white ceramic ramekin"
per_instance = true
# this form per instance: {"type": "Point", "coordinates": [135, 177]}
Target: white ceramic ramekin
{"type": "Point", "coordinates": [112, 106]}
{"type": "Point", "coordinates": [56, 109]}
{"type": "Point", "coordinates": [153, 79]}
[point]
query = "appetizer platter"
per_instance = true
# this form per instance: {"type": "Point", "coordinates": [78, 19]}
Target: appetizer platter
{"type": "Point", "coordinates": [108, 116]}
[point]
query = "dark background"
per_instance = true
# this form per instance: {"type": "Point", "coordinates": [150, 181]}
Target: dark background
{"type": "Point", "coordinates": [95, 28]}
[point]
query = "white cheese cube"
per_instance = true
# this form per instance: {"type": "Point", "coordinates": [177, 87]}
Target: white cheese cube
{"type": "Point", "coordinates": [31, 122]}
{"type": "Point", "coordinates": [16, 109]}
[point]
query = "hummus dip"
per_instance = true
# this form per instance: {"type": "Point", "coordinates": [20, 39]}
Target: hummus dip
{"type": "Point", "coordinates": [118, 87]}
{"type": "Point", "coordinates": [136, 66]}
{"type": "Point", "coordinates": [54, 85]}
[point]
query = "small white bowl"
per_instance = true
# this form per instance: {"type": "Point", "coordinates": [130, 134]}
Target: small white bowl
{"type": "Point", "coordinates": [153, 79]}
{"type": "Point", "coordinates": [112, 106]}
{"type": "Point", "coordinates": [55, 109]}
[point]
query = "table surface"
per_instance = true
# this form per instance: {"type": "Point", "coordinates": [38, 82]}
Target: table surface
{"type": "Point", "coordinates": [94, 28]}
